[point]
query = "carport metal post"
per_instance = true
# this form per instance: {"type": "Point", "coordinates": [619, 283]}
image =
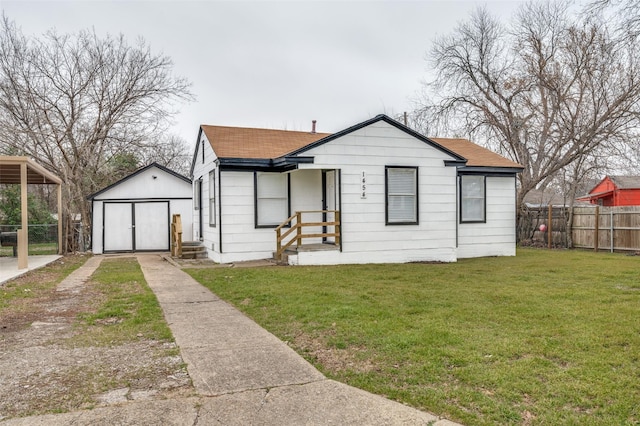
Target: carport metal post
{"type": "Point", "coordinates": [23, 232]}
{"type": "Point", "coordinates": [60, 219]}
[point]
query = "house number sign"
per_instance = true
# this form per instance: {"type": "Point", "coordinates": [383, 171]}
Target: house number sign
{"type": "Point", "coordinates": [363, 185]}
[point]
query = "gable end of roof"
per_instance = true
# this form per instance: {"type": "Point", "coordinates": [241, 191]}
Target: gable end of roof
{"type": "Point", "coordinates": [388, 120]}
{"type": "Point", "coordinates": [137, 172]}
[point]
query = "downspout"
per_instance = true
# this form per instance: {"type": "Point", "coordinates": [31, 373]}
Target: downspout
{"type": "Point", "coordinates": [220, 211]}
{"type": "Point", "coordinates": [59, 196]}
{"type": "Point", "coordinates": [457, 222]}
{"type": "Point", "coordinates": [340, 208]}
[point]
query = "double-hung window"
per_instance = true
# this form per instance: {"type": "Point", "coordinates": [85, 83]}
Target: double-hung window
{"type": "Point", "coordinates": [197, 194]}
{"type": "Point", "coordinates": [212, 198]}
{"type": "Point", "coordinates": [271, 198]}
{"type": "Point", "coordinates": [401, 184]}
{"type": "Point", "coordinates": [472, 198]}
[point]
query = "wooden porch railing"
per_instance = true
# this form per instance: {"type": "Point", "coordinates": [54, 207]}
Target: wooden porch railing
{"type": "Point", "coordinates": [296, 224]}
{"type": "Point", "coordinates": [176, 236]}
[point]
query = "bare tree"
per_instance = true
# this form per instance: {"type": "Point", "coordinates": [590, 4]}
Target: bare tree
{"type": "Point", "coordinates": [549, 91]}
{"type": "Point", "coordinates": [170, 151]}
{"type": "Point", "coordinates": [626, 14]}
{"type": "Point", "coordinates": [75, 101]}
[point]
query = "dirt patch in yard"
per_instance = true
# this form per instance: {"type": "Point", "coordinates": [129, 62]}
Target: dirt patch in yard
{"type": "Point", "coordinates": [331, 359]}
{"type": "Point", "coordinates": [42, 371]}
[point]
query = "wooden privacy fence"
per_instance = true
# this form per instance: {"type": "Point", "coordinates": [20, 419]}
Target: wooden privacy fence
{"type": "Point", "coordinates": [616, 228]}
{"type": "Point", "coordinates": [606, 228]}
{"type": "Point", "coordinates": [531, 219]}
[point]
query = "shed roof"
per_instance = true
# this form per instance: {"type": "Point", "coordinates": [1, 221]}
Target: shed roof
{"type": "Point", "coordinates": [252, 143]}
{"type": "Point", "coordinates": [626, 182]}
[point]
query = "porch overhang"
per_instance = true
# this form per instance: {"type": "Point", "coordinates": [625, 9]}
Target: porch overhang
{"type": "Point", "coordinates": [489, 171]}
{"type": "Point", "coordinates": [281, 164]}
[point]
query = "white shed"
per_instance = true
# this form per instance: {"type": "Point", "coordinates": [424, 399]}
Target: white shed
{"type": "Point", "coordinates": [134, 214]}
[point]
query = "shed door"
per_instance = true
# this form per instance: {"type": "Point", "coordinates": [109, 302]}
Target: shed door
{"type": "Point", "coordinates": [136, 226]}
{"type": "Point", "coordinates": [152, 226]}
{"type": "Point", "coordinates": [118, 227]}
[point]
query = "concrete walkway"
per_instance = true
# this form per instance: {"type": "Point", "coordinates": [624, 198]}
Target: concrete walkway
{"type": "Point", "coordinates": [243, 374]}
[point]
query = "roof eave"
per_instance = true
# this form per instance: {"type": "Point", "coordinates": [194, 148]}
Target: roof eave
{"type": "Point", "coordinates": [278, 165]}
{"type": "Point", "coordinates": [490, 170]}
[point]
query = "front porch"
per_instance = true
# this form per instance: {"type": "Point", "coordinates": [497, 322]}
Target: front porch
{"type": "Point", "coordinates": [324, 235]}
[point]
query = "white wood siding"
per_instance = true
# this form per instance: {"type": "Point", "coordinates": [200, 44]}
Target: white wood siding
{"type": "Point", "coordinates": [210, 234]}
{"type": "Point", "coordinates": [144, 186]}
{"type": "Point", "coordinates": [241, 240]}
{"type": "Point", "coordinates": [496, 237]}
{"type": "Point", "coordinates": [365, 236]}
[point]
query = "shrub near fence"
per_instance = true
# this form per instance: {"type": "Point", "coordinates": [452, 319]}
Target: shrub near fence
{"type": "Point", "coordinates": [606, 228]}
{"type": "Point", "coordinates": [529, 226]}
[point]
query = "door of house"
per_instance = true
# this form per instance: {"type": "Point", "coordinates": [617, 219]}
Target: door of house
{"type": "Point", "coordinates": [136, 226]}
{"type": "Point", "coordinates": [329, 202]}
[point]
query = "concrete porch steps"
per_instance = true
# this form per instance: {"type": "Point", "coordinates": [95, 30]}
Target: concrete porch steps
{"type": "Point", "coordinates": [293, 251]}
{"type": "Point", "coordinates": [193, 250]}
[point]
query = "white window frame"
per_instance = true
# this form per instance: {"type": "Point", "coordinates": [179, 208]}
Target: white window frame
{"type": "Point", "coordinates": [212, 198]}
{"type": "Point", "coordinates": [473, 199]}
{"type": "Point", "coordinates": [397, 198]}
{"type": "Point", "coordinates": [197, 191]}
{"type": "Point", "coordinates": [271, 189]}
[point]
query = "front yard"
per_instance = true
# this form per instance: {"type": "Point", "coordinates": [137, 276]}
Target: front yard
{"type": "Point", "coordinates": [547, 337]}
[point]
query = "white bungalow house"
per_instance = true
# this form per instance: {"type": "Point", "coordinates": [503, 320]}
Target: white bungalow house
{"type": "Point", "coordinates": [376, 192]}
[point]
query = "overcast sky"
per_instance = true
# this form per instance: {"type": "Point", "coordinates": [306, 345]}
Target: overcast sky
{"type": "Point", "coordinates": [275, 64]}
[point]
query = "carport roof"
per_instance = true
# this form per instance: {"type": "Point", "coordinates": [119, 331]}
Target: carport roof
{"type": "Point", "coordinates": [36, 174]}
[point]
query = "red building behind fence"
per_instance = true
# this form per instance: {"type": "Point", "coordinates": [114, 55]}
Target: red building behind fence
{"type": "Point", "coordinates": [615, 191]}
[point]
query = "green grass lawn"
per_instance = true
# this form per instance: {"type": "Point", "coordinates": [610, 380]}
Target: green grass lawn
{"type": "Point", "coordinates": [125, 303]}
{"type": "Point", "coordinates": [34, 249]}
{"type": "Point", "coordinates": [546, 337]}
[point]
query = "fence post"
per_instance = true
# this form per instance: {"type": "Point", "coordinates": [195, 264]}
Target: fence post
{"type": "Point", "coordinates": [612, 228]}
{"type": "Point", "coordinates": [596, 229]}
{"type": "Point", "coordinates": [550, 226]}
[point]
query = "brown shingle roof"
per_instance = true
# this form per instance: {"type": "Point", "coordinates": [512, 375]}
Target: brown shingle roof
{"type": "Point", "coordinates": [475, 154]}
{"type": "Point", "coordinates": [240, 142]}
{"type": "Point", "coordinates": [250, 143]}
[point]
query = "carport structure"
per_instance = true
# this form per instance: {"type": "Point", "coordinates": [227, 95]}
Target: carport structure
{"type": "Point", "coordinates": [24, 171]}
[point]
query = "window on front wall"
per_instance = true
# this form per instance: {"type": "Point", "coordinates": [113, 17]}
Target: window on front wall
{"type": "Point", "coordinates": [272, 198]}
{"type": "Point", "coordinates": [197, 194]}
{"type": "Point", "coordinates": [212, 198]}
{"type": "Point", "coordinates": [402, 195]}
{"type": "Point", "coordinates": [472, 198]}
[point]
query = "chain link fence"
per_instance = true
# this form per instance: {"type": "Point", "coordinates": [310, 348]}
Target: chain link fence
{"type": "Point", "coordinates": [43, 239]}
